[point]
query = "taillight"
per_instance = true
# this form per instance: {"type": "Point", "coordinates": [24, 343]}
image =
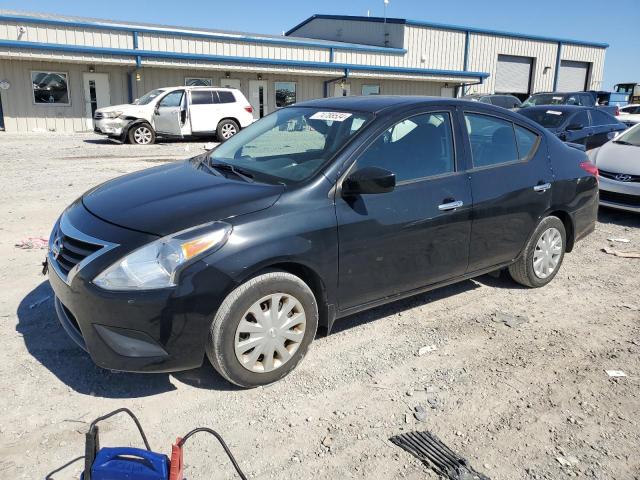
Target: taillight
{"type": "Point", "coordinates": [617, 112]}
{"type": "Point", "coordinates": [249, 109]}
{"type": "Point", "coordinates": [590, 168]}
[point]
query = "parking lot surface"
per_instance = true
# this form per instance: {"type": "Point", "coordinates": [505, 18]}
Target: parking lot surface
{"type": "Point", "coordinates": [513, 379]}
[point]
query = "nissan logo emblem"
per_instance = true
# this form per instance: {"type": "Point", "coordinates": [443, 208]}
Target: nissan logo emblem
{"type": "Point", "coordinates": [623, 177]}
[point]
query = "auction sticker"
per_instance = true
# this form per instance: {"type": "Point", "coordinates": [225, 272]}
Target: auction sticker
{"type": "Point", "coordinates": [554, 112]}
{"type": "Point", "coordinates": [330, 116]}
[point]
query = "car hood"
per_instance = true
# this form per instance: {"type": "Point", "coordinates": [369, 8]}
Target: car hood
{"type": "Point", "coordinates": [173, 197]}
{"type": "Point", "coordinates": [126, 108]}
{"type": "Point", "coordinates": [617, 158]}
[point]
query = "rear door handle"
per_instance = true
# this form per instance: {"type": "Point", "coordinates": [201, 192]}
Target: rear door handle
{"type": "Point", "coordinates": [450, 206]}
{"type": "Point", "coordinates": [542, 187]}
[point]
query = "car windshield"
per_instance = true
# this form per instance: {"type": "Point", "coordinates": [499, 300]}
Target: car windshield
{"type": "Point", "coordinates": [543, 99]}
{"type": "Point", "coordinates": [547, 118]}
{"type": "Point", "coordinates": [291, 144]}
{"type": "Point", "coordinates": [148, 97]}
{"type": "Point", "coordinates": [630, 137]}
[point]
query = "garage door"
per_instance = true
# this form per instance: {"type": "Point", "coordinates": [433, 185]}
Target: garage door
{"type": "Point", "coordinates": [513, 74]}
{"type": "Point", "coordinates": [573, 76]}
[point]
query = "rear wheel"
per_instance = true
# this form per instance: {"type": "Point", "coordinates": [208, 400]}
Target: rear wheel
{"type": "Point", "coordinates": [542, 256]}
{"type": "Point", "coordinates": [226, 129]}
{"type": "Point", "coordinates": [142, 134]}
{"type": "Point", "coordinates": [263, 329]}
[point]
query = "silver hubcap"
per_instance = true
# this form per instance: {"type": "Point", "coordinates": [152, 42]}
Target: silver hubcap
{"type": "Point", "coordinates": [270, 332]}
{"type": "Point", "coordinates": [142, 135]}
{"type": "Point", "coordinates": [547, 253]}
{"type": "Point", "coordinates": [228, 130]}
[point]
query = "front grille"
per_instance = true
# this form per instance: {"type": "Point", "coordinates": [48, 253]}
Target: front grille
{"type": "Point", "coordinates": [70, 251]}
{"type": "Point", "coordinates": [621, 198]}
{"type": "Point", "coordinates": [612, 176]}
{"type": "Point", "coordinates": [98, 115]}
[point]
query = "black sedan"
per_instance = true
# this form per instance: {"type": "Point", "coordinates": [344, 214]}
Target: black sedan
{"type": "Point", "coordinates": [582, 125]}
{"type": "Point", "coordinates": [241, 253]}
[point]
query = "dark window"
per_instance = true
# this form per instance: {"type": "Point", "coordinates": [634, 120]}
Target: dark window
{"type": "Point", "coordinates": [527, 142]}
{"type": "Point", "coordinates": [485, 100]}
{"type": "Point", "coordinates": [173, 99]}
{"type": "Point", "coordinates": [50, 88]}
{"type": "Point", "coordinates": [601, 118]}
{"type": "Point", "coordinates": [580, 118]}
{"type": "Point", "coordinates": [573, 100]}
{"type": "Point", "coordinates": [201, 97]}
{"type": "Point", "coordinates": [285, 93]}
{"type": "Point", "coordinates": [418, 147]}
{"type": "Point", "coordinates": [492, 140]}
{"type": "Point", "coordinates": [226, 96]}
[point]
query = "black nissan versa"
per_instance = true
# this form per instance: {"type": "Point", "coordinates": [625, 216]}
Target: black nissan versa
{"type": "Point", "coordinates": [315, 212]}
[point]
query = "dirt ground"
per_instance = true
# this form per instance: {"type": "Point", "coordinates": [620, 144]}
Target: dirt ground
{"type": "Point", "coordinates": [527, 401]}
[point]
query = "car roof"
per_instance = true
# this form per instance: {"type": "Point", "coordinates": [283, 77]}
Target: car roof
{"type": "Point", "coordinates": [196, 87]}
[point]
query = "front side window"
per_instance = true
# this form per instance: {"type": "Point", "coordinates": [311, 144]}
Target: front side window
{"type": "Point", "coordinates": [415, 148]}
{"type": "Point", "coordinates": [285, 93]}
{"type": "Point", "coordinates": [492, 140]}
{"type": "Point", "coordinates": [50, 88]}
{"type": "Point", "coordinates": [580, 118]}
{"type": "Point", "coordinates": [198, 82]}
{"type": "Point", "coordinates": [173, 99]}
{"type": "Point", "coordinates": [291, 144]}
{"type": "Point", "coordinates": [600, 118]}
{"type": "Point", "coordinates": [370, 89]}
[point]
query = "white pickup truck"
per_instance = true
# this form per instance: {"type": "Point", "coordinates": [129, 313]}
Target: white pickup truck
{"type": "Point", "coordinates": [176, 112]}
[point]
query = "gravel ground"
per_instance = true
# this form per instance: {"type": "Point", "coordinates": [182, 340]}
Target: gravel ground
{"type": "Point", "coordinates": [526, 401]}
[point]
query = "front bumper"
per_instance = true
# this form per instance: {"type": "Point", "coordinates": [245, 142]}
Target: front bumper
{"type": "Point", "coordinates": [620, 195]}
{"type": "Point", "coordinates": [135, 331]}
{"type": "Point", "coordinates": [109, 126]}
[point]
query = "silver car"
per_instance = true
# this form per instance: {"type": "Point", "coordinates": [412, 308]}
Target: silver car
{"type": "Point", "coordinates": [619, 164]}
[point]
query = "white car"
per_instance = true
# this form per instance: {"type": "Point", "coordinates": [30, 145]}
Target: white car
{"type": "Point", "coordinates": [619, 164]}
{"type": "Point", "coordinates": [630, 114]}
{"type": "Point", "coordinates": [176, 112]}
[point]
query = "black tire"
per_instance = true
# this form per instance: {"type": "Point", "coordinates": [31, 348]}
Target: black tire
{"type": "Point", "coordinates": [222, 335]}
{"type": "Point", "coordinates": [522, 271]}
{"type": "Point", "coordinates": [226, 129]}
{"type": "Point", "coordinates": [139, 133]}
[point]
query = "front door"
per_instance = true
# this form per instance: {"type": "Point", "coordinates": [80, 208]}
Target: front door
{"type": "Point", "coordinates": [258, 97]}
{"type": "Point", "coordinates": [578, 135]}
{"type": "Point", "coordinates": [416, 235]}
{"type": "Point", "coordinates": [170, 114]}
{"type": "Point", "coordinates": [511, 184]}
{"type": "Point", "coordinates": [96, 94]}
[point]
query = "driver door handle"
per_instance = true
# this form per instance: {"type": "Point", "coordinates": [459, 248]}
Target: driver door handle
{"type": "Point", "coordinates": [542, 188]}
{"type": "Point", "coordinates": [450, 206]}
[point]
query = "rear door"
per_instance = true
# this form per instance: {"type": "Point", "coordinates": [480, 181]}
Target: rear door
{"type": "Point", "coordinates": [170, 114]}
{"type": "Point", "coordinates": [417, 234]}
{"type": "Point", "coordinates": [511, 183]}
{"type": "Point", "coordinates": [202, 110]}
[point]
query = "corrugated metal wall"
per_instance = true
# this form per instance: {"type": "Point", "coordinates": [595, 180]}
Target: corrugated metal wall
{"type": "Point", "coordinates": [21, 114]}
{"type": "Point", "coordinates": [353, 31]}
{"type": "Point", "coordinates": [440, 49]}
{"type": "Point", "coordinates": [89, 37]}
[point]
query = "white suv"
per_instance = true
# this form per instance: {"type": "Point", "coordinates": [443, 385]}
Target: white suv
{"type": "Point", "coordinates": [176, 112]}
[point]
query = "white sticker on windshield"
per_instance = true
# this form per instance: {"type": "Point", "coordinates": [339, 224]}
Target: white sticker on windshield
{"type": "Point", "coordinates": [330, 116]}
{"type": "Point", "coordinates": [557, 98]}
{"type": "Point", "coordinates": [554, 112]}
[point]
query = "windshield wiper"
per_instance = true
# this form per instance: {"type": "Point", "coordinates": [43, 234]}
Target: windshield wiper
{"type": "Point", "coordinates": [237, 171]}
{"type": "Point", "coordinates": [623, 142]}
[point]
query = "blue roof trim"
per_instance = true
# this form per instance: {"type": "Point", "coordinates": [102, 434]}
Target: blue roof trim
{"type": "Point", "coordinates": [242, 60]}
{"type": "Point", "coordinates": [214, 36]}
{"type": "Point", "coordinates": [444, 26]}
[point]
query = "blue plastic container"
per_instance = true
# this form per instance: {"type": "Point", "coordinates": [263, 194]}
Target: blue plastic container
{"type": "Point", "coordinates": [129, 464]}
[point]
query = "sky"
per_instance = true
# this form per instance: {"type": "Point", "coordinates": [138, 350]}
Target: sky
{"type": "Point", "coordinates": [617, 24]}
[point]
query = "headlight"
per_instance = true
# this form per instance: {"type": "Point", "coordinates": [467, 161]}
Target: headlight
{"type": "Point", "coordinates": [155, 264]}
{"type": "Point", "coordinates": [112, 114]}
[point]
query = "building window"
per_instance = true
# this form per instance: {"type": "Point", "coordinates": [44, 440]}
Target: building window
{"type": "Point", "coordinates": [50, 88]}
{"type": "Point", "coordinates": [285, 93]}
{"type": "Point", "coordinates": [198, 82]}
{"type": "Point", "coordinates": [370, 89]}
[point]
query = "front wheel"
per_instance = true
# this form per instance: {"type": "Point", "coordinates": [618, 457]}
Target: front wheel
{"type": "Point", "coordinates": [142, 134]}
{"type": "Point", "coordinates": [543, 254]}
{"type": "Point", "coordinates": [263, 329]}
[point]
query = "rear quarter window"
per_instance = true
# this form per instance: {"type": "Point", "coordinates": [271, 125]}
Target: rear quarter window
{"type": "Point", "coordinates": [226, 96]}
{"type": "Point", "coordinates": [527, 142]}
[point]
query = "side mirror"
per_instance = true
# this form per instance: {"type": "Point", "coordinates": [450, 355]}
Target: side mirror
{"type": "Point", "coordinates": [369, 180]}
{"type": "Point", "coordinates": [575, 126]}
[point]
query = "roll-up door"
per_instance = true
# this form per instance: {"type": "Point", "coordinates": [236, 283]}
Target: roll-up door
{"type": "Point", "coordinates": [573, 76]}
{"type": "Point", "coordinates": [513, 74]}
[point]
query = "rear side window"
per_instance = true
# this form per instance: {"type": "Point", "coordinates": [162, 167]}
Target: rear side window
{"type": "Point", "coordinates": [201, 97]}
{"type": "Point", "coordinates": [601, 118]}
{"type": "Point", "coordinates": [492, 140]}
{"type": "Point", "coordinates": [226, 97]}
{"type": "Point", "coordinates": [527, 142]}
{"type": "Point", "coordinates": [417, 147]}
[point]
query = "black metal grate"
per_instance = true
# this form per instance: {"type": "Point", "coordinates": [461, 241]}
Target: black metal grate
{"type": "Point", "coordinates": [72, 251]}
{"type": "Point", "coordinates": [98, 115]}
{"type": "Point", "coordinates": [621, 198]}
